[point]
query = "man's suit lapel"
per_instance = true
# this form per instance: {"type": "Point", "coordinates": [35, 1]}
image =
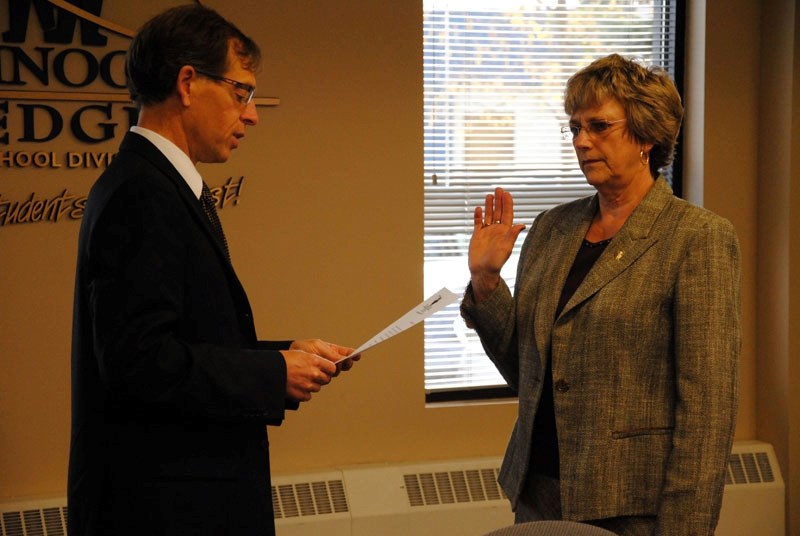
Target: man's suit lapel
{"type": "Point", "coordinates": [141, 146]}
{"type": "Point", "coordinates": [635, 237]}
{"type": "Point", "coordinates": [147, 150]}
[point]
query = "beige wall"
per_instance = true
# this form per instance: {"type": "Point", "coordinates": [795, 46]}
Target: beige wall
{"type": "Point", "coordinates": [778, 240]}
{"type": "Point", "coordinates": [731, 160]}
{"type": "Point", "coordinates": [327, 238]}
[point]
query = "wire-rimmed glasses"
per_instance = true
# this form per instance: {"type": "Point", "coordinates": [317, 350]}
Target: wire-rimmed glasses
{"type": "Point", "coordinates": [244, 99]}
{"type": "Point", "coordinates": [594, 128]}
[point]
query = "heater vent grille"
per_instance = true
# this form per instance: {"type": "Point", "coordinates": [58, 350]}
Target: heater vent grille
{"type": "Point", "coordinates": [50, 521]}
{"type": "Point", "coordinates": [309, 499]}
{"type": "Point", "coordinates": [749, 468]}
{"type": "Point", "coordinates": [450, 487]}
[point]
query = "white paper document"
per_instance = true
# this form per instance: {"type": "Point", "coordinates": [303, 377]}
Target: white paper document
{"type": "Point", "coordinates": [438, 301]}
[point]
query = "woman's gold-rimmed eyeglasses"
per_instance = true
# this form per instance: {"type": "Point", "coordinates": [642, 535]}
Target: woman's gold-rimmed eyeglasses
{"type": "Point", "coordinates": [594, 128]}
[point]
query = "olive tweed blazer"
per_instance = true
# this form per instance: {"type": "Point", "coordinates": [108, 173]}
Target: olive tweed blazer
{"type": "Point", "coordinates": [644, 356]}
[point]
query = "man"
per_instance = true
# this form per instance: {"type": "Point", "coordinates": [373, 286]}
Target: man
{"type": "Point", "coordinates": [171, 389]}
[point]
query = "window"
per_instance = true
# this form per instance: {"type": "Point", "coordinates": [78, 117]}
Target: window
{"type": "Point", "coordinates": [494, 74]}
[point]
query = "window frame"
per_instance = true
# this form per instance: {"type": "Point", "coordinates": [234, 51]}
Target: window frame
{"type": "Point", "coordinates": [503, 392]}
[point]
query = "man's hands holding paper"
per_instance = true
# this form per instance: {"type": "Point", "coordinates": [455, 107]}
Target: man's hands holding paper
{"type": "Point", "coordinates": [332, 352]}
{"type": "Point", "coordinates": [312, 363]}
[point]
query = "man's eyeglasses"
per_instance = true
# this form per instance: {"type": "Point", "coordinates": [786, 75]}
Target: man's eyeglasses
{"type": "Point", "coordinates": [247, 88]}
{"type": "Point", "coordinates": [594, 128]}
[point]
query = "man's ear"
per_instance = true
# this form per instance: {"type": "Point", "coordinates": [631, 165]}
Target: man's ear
{"type": "Point", "coordinates": [187, 76]}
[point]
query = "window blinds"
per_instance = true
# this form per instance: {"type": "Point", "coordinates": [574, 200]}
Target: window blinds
{"type": "Point", "coordinates": [494, 75]}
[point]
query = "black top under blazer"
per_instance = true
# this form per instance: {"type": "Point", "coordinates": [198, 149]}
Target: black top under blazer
{"type": "Point", "coordinates": [171, 390]}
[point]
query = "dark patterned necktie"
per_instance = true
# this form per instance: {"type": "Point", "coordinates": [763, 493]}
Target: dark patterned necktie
{"type": "Point", "coordinates": [210, 208]}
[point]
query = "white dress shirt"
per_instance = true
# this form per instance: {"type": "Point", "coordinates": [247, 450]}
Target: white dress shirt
{"type": "Point", "coordinates": [177, 158]}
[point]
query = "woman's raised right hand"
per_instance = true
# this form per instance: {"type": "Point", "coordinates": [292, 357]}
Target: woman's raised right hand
{"type": "Point", "coordinates": [493, 237]}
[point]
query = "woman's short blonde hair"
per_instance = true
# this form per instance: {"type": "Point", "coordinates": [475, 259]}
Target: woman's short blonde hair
{"type": "Point", "coordinates": [651, 101]}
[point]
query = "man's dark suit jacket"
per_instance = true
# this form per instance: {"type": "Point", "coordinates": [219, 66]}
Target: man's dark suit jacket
{"type": "Point", "coordinates": [171, 390]}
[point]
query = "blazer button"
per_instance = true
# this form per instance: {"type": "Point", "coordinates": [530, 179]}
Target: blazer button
{"type": "Point", "coordinates": [562, 386]}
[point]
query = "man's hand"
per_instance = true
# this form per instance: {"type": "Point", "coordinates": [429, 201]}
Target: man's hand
{"type": "Point", "coordinates": [306, 373]}
{"type": "Point", "coordinates": [310, 365]}
{"type": "Point", "coordinates": [331, 352]}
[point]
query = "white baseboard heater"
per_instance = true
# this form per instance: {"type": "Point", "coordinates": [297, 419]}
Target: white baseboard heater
{"type": "Point", "coordinates": [458, 497]}
{"type": "Point", "coordinates": [754, 502]}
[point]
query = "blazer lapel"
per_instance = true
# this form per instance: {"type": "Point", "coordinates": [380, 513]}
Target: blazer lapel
{"type": "Point", "coordinates": [631, 242]}
{"type": "Point", "coordinates": [143, 147]}
{"type": "Point", "coordinates": [561, 247]}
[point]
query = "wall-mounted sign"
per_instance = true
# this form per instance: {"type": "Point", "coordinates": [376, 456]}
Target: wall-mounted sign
{"type": "Point", "coordinates": [64, 105]}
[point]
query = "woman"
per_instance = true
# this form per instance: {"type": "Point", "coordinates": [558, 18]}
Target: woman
{"type": "Point", "coordinates": [622, 338]}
